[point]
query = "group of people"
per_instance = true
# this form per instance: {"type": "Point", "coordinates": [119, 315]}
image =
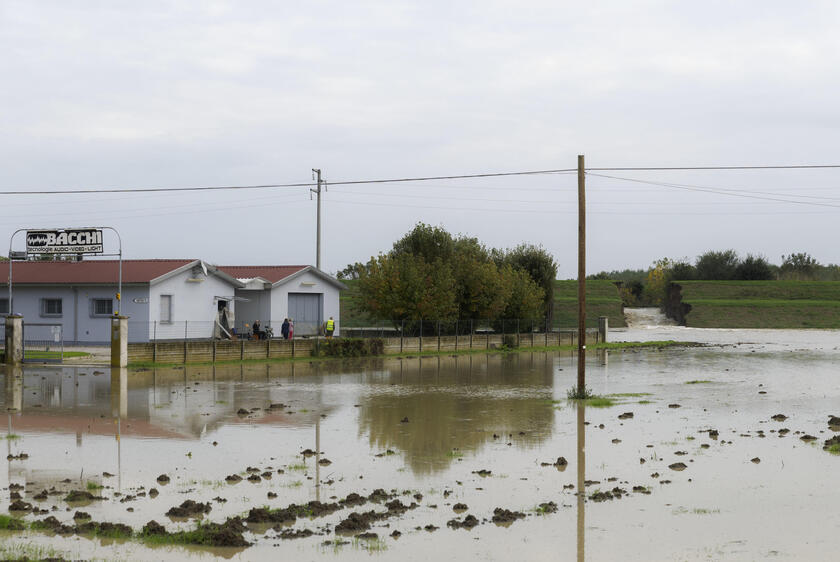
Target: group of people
{"type": "Point", "coordinates": [287, 330]}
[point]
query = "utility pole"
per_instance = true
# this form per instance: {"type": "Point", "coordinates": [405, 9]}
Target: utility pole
{"type": "Point", "coordinates": [318, 234]}
{"type": "Point", "coordinates": [581, 378]}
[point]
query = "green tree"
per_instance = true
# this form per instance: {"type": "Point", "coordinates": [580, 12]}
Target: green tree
{"type": "Point", "coordinates": [352, 271]}
{"type": "Point", "coordinates": [406, 287]}
{"type": "Point", "coordinates": [717, 266]}
{"type": "Point", "coordinates": [429, 242]}
{"type": "Point", "coordinates": [525, 299]}
{"type": "Point", "coordinates": [754, 268]}
{"type": "Point", "coordinates": [537, 263]}
{"type": "Point", "coordinates": [799, 266]}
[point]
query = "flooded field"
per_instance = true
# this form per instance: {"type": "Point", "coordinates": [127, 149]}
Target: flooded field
{"type": "Point", "coordinates": [710, 452]}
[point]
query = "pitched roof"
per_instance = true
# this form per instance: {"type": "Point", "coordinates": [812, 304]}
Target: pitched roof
{"type": "Point", "coordinates": [90, 272]}
{"type": "Point", "coordinates": [271, 273]}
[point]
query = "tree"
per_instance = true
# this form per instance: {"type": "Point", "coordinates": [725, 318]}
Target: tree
{"type": "Point", "coordinates": [754, 268]}
{"type": "Point", "coordinates": [682, 270]}
{"type": "Point", "coordinates": [406, 287]}
{"type": "Point", "coordinates": [352, 271]}
{"type": "Point", "coordinates": [429, 242]}
{"type": "Point", "coordinates": [537, 263]}
{"type": "Point", "coordinates": [525, 299]}
{"type": "Point", "coordinates": [799, 266]}
{"type": "Point", "coordinates": [717, 266]}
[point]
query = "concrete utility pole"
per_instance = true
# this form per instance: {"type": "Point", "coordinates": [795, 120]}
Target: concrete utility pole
{"type": "Point", "coordinates": [581, 379]}
{"type": "Point", "coordinates": [318, 235]}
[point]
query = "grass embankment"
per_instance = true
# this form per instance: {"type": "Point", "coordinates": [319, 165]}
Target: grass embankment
{"type": "Point", "coordinates": [602, 299]}
{"type": "Point", "coordinates": [762, 304]}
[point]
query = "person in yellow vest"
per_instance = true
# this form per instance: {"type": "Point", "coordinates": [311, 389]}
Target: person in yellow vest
{"type": "Point", "coordinates": [330, 327]}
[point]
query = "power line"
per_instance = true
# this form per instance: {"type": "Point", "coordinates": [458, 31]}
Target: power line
{"type": "Point", "coordinates": [277, 185]}
{"type": "Point", "coordinates": [408, 179]}
{"type": "Point", "coordinates": [730, 193]}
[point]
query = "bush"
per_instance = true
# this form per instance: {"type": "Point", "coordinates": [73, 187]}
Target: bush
{"type": "Point", "coordinates": [509, 342]}
{"type": "Point", "coordinates": [717, 266]}
{"type": "Point", "coordinates": [754, 268]}
{"type": "Point", "coordinates": [350, 347]}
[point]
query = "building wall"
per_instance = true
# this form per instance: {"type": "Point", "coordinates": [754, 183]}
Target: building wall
{"type": "Point", "coordinates": [192, 302]}
{"type": "Point", "coordinates": [78, 323]}
{"type": "Point", "coordinates": [306, 283]}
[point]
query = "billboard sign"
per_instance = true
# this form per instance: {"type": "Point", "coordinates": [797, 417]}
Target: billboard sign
{"type": "Point", "coordinates": [75, 241]}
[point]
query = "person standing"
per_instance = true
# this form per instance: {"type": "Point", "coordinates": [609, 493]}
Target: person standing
{"type": "Point", "coordinates": [284, 329]}
{"type": "Point", "coordinates": [291, 328]}
{"type": "Point", "coordinates": [330, 327]}
{"type": "Point", "coordinates": [257, 329]}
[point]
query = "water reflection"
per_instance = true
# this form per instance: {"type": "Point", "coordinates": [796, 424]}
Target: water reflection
{"type": "Point", "coordinates": [444, 403]}
{"type": "Point", "coordinates": [581, 481]}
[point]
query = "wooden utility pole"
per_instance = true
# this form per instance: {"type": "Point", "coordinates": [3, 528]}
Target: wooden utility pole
{"type": "Point", "coordinates": [318, 233]}
{"type": "Point", "coordinates": [581, 378]}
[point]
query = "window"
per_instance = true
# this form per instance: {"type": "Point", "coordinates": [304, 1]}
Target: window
{"type": "Point", "coordinates": [101, 307]}
{"type": "Point", "coordinates": [51, 307]}
{"type": "Point", "coordinates": [4, 306]}
{"type": "Point", "coordinates": [166, 309]}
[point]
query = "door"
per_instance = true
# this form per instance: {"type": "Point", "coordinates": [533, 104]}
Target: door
{"type": "Point", "coordinates": [305, 309]}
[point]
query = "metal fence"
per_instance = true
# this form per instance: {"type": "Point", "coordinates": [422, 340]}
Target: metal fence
{"type": "Point", "coordinates": [189, 330]}
{"type": "Point", "coordinates": [43, 343]}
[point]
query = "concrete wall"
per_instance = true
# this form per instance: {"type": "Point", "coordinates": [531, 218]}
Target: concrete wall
{"type": "Point", "coordinates": [191, 301]}
{"type": "Point", "coordinates": [306, 283]}
{"type": "Point", "coordinates": [77, 319]}
{"type": "Point", "coordinates": [204, 351]}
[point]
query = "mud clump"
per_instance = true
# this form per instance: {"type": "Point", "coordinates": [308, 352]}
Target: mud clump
{"type": "Point", "coordinates": [614, 494]}
{"type": "Point", "coordinates": [678, 466]}
{"type": "Point", "coordinates": [233, 478]}
{"type": "Point", "coordinates": [287, 534]}
{"type": "Point", "coordinates": [459, 507]}
{"type": "Point", "coordinates": [242, 412]}
{"type": "Point", "coordinates": [353, 499]}
{"type": "Point", "coordinates": [808, 438]}
{"type": "Point", "coordinates": [626, 416]}
{"type": "Point", "coordinates": [755, 460]}
{"type": "Point", "coordinates": [833, 442]}
{"type": "Point", "coordinates": [379, 495]}
{"type": "Point", "coordinates": [547, 507]}
{"type": "Point", "coordinates": [81, 515]}
{"type": "Point", "coordinates": [355, 522]}
{"type": "Point", "coordinates": [163, 479]}
{"type": "Point", "coordinates": [674, 406]}
{"type": "Point", "coordinates": [483, 472]}
{"type": "Point", "coordinates": [367, 536]}
{"type": "Point", "coordinates": [81, 496]}
{"type": "Point", "coordinates": [153, 528]}
{"type": "Point", "coordinates": [501, 515]}
{"type": "Point", "coordinates": [469, 522]}
{"type": "Point", "coordinates": [779, 417]}
{"type": "Point", "coordinates": [189, 508]}
{"type": "Point", "coordinates": [834, 422]}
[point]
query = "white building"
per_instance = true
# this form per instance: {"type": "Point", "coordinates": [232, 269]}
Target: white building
{"type": "Point", "coordinates": [272, 293]}
{"type": "Point", "coordinates": [168, 299]}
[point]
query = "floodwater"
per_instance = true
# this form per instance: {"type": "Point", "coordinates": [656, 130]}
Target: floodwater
{"type": "Point", "coordinates": [443, 419]}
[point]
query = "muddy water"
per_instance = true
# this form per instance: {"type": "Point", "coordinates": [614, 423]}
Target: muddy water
{"type": "Point", "coordinates": [427, 427]}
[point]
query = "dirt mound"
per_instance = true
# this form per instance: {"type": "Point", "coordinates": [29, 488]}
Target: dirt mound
{"type": "Point", "coordinates": [189, 508]}
{"type": "Point", "coordinates": [468, 523]}
{"type": "Point", "coordinates": [153, 528]}
{"type": "Point", "coordinates": [81, 496]}
{"type": "Point", "coordinates": [501, 515]}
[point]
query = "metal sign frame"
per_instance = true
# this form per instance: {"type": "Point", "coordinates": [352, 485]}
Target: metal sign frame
{"type": "Point", "coordinates": [119, 240]}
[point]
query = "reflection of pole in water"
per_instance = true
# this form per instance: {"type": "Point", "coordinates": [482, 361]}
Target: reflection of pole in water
{"type": "Point", "coordinates": [604, 359]}
{"type": "Point", "coordinates": [119, 410]}
{"type": "Point", "coordinates": [581, 478]}
{"type": "Point", "coordinates": [318, 457]}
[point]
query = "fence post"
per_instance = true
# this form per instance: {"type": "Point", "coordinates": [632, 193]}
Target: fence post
{"type": "Point", "coordinates": [267, 347]}
{"type": "Point", "coordinates": [402, 334]}
{"type": "Point", "coordinates": [438, 335]}
{"type": "Point", "coordinates": [154, 343]}
{"type": "Point", "coordinates": [421, 334]}
{"type": "Point", "coordinates": [518, 336]}
{"type": "Point", "coordinates": [456, 334]}
{"type": "Point", "coordinates": [186, 323]}
{"type": "Point", "coordinates": [471, 332]}
{"type": "Point", "coordinates": [241, 350]}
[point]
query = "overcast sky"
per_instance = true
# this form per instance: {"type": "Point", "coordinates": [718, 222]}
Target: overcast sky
{"type": "Point", "coordinates": [131, 94]}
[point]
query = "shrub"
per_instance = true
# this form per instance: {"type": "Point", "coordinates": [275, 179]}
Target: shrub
{"type": "Point", "coordinates": [350, 347]}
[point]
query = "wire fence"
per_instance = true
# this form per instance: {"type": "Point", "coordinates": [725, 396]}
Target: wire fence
{"type": "Point", "coordinates": [195, 330]}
